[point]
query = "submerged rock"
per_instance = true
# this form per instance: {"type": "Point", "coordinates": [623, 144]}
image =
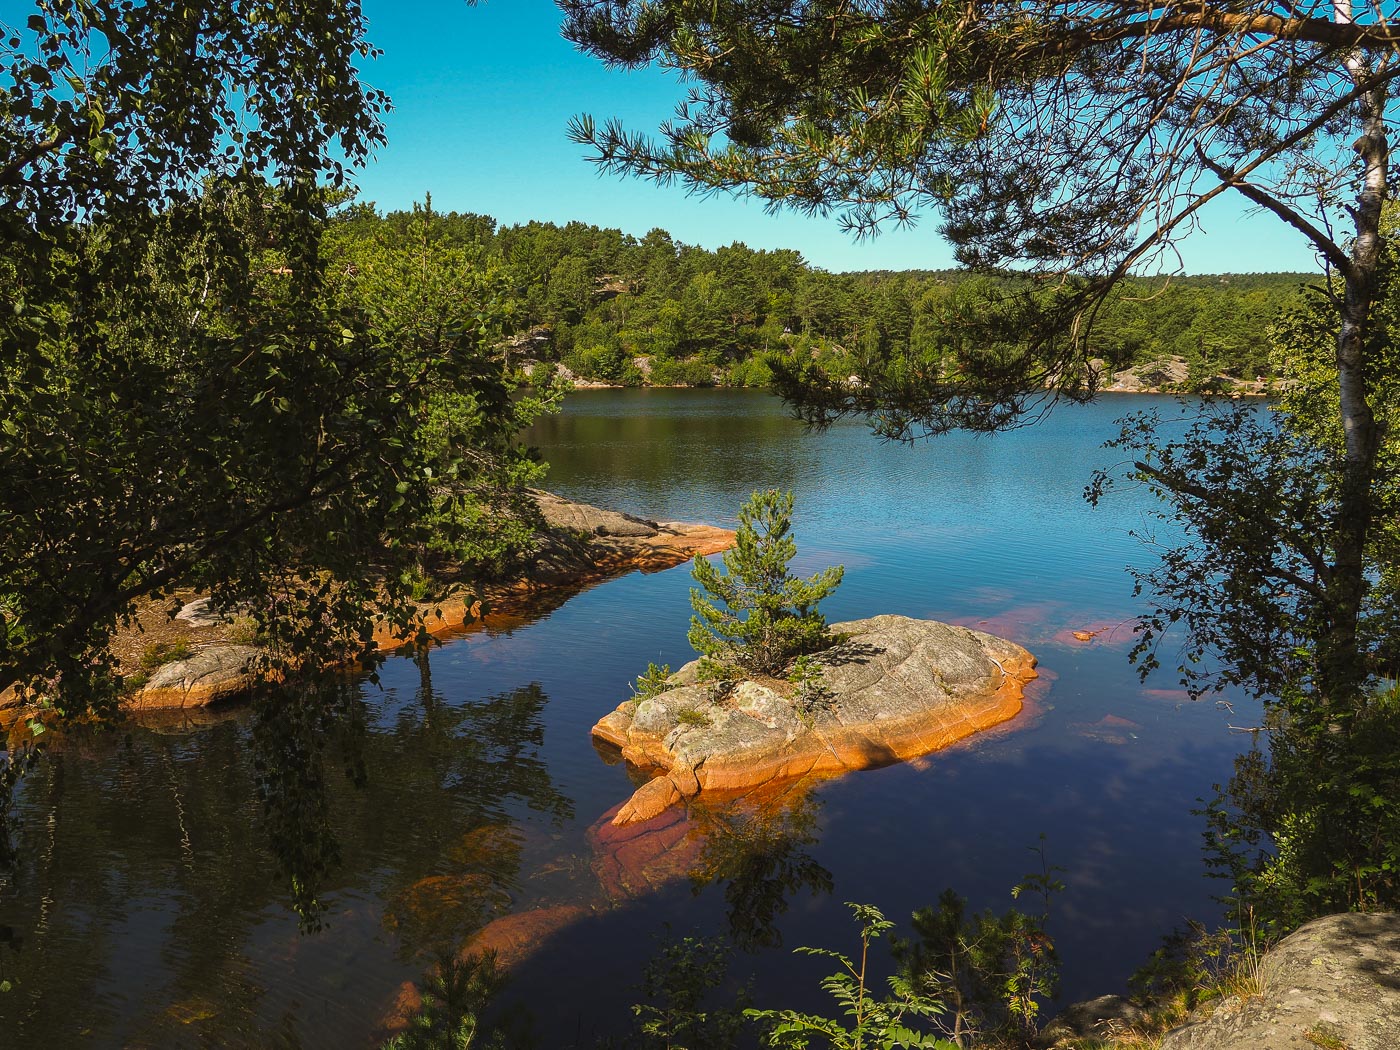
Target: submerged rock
{"type": "Point", "coordinates": [1334, 982]}
{"type": "Point", "coordinates": [895, 688]}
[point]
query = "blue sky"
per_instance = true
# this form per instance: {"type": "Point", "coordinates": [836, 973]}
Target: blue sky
{"type": "Point", "coordinates": [482, 96]}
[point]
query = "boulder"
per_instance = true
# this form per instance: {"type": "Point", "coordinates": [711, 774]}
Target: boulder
{"type": "Point", "coordinates": [201, 613]}
{"type": "Point", "coordinates": [1094, 1019]}
{"type": "Point", "coordinates": [211, 674]}
{"type": "Point", "coordinates": [895, 688]}
{"type": "Point", "coordinates": [1335, 982]}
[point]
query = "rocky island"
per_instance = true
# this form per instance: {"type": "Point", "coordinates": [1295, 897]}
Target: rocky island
{"type": "Point", "coordinates": [891, 689]}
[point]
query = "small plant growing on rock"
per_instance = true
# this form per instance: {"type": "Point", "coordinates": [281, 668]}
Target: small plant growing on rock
{"type": "Point", "coordinates": [161, 653]}
{"type": "Point", "coordinates": [652, 682]}
{"type": "Point", "coordinates": [689, 716]}
{"type": "Point", "coordinates": [757, 614]}
{"type": "Point", "coordinates": [809, 692]}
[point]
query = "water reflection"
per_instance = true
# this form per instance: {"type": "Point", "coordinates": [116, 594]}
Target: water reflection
{"type": "Point", "coordinates": [761, 855]}
{"type": "Point", "coordinates": [757, 847]}
{"type": "Point", "coordinates": [291, 732]}
{"type": "Point", "coordinates": [166, 876]}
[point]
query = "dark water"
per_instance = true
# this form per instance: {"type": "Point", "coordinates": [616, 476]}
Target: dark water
{"type": "Point", "coordinates": [151, 912]}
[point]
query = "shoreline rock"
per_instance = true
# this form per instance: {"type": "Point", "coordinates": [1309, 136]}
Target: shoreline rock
{"type": "Point", "coordinates": [582, 545]}
{"type": "Point", "coordinates": [1333, 982]}
{"type": "Point", "coordinates": [894, 689]}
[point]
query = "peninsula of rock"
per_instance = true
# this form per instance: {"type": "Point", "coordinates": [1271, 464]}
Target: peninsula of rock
{"type": "Point", "coordinates": [892, 689]}
{"type": "Point", "coordinates": [578, 545]}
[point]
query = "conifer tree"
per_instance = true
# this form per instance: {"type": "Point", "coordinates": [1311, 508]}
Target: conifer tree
{"type": "Point", "coordinates": [758, 615]}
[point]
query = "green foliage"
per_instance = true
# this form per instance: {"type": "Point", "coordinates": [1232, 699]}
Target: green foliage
{"type": "Point", "coordinates": [178, 398]}
{"type": "Point", "coordinates": [757, 614]}
{"type": "Point", "coordinates": [161, 653]}
{"type": "Point", "coordinates": [452, 999]}
{"type": "Point", "coordinates": [680, 985]}
{"type": "Point", "coordinates": [203, 382]}
{"type": "Point", "coordinates": [1311, 825]}
{"type": "Point", "coordinates": [865, 1021]}
{"type": "Point", "coordinates": [809, 687]}
{"type": "Point", "coordinates": [689, 716]}
{"type": "Point", "coordinates": [652, 682]}
{"type": "Point", "coordinates": [671, 372]}
{"type": "Point", "coordinates": [991, 972]}
{"type": "Point", "coordinates": [1263, 596]}
{"type": "Point", "coordinates": [876, 113]}
{"type": "Point", "coordinates": [605, 364]}
{"type": "Point", "coordinates": [744, 315]}
{"type": "Point", "coordinates": [1196, 965]}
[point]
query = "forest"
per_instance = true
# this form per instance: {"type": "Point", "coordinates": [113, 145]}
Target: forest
{"type": "Point", "coordinates": [628, 311]}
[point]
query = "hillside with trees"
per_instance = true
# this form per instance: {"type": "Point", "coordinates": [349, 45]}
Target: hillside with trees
{"type": "Point", "coordinates": [618, 309]}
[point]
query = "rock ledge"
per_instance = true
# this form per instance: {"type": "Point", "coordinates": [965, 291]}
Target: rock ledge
{"type": "Point", "coordinates": [1333, 982]}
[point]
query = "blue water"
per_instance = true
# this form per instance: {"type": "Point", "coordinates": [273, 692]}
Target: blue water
{"type": "Point", "coordinates": [167, 919]}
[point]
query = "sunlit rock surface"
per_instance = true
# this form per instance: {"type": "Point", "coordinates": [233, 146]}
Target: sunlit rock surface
{"type": "Point", "coordinates": [1334, 982]}
{"type": "Point", "coordinates": [211, 674]}
{"type": "Point", "coordinates": [894, 689]}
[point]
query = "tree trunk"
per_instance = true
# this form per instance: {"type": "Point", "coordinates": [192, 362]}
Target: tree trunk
{"type": "Point", "coordinates": [1341, 668]}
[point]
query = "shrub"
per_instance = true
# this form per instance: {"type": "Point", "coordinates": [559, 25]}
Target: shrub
{"type": "Point", "coordinates": [872, 1021]}
{"type": "Point", "coordinates": [161, 653]}
{"type": "Point", "coordinates": [670, 372]}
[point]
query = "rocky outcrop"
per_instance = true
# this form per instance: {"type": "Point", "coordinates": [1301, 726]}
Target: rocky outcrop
{"type": "Point", "coordinates": [211, 674]}
{"type": "Point", "coordinates": [1172, 375]}
{"type": "Point", "coordinates": [560, 513]}
{"type": "Point", "coordinates": [581, 544]}
{"type": "Point", "coordinates": [1333, 983]}
{"type": "Point", "coordinates": [894, 689]}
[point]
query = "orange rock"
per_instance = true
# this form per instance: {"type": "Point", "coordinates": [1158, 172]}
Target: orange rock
{"type": "Point", "coordinates": [514, 937]}
{"type": "Point", "coordinates": [891, 700]}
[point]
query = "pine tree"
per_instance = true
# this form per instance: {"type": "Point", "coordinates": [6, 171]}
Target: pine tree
{"type": "Point", "coordinates": [757, 614]}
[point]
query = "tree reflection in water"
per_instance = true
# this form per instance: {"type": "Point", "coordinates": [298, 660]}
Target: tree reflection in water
{"type": "Point", "coordinates": [167, 851]}
{"type": "Point", "coordinates": [758, 850]}
{"type": "Point", "coordinates": [291, 730]}
{"type": "Point", "coordinates": [756, 846]}
{"type": "Point", "coordinates": [452, 772]}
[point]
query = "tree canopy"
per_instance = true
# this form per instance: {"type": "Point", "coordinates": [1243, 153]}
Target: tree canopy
{"type": "Point", "coordinates": [201, 384]}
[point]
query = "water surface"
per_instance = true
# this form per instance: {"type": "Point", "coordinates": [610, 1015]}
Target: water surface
{"type": "Point", "coordinates": [151, 910]}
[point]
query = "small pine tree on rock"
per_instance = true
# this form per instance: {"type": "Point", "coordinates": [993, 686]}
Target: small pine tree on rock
{"type": "Point", "coordinates": [756, 614]}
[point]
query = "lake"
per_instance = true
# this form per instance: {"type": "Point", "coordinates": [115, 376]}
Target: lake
{"type": "Point", "coordinates": [152, 910]}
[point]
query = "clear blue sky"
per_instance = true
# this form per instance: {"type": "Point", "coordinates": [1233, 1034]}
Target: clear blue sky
{"type": "Point", "coordinates": [482, 96]}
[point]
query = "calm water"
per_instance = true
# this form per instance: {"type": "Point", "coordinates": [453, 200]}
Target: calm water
{"type": "Point", "coordinates": [151, 910]}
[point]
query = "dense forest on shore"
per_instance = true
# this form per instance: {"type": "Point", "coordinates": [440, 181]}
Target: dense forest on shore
{"type": "Point", "coordinates": [614, 308]}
